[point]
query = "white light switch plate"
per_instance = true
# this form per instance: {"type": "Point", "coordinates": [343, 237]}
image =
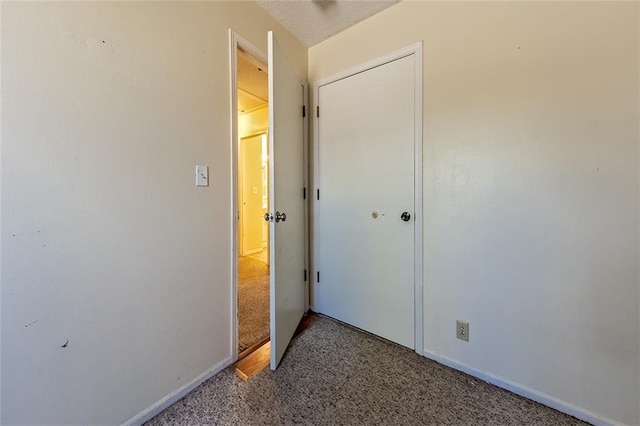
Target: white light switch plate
{"type": "Point", "coordinates": [202, 176]}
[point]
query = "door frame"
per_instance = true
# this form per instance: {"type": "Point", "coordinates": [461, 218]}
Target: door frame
{"type": "Point", "coordinates": [416, 50]}
{"type": "Point", "coordinates": [236, 41]}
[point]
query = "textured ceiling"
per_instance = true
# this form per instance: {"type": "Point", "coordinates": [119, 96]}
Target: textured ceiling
{"type": "Point", "coordinates": [313, 21]}
{"type": "Point", "coordinates": [253, 89]}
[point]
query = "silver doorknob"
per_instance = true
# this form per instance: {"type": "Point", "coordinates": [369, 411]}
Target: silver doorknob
{"type": "Point", "coordinates": [268, 217]}
{"type": "Point", "coordinates": [405, 216]}
{"type": "Point", "coordinates": [281, 216]}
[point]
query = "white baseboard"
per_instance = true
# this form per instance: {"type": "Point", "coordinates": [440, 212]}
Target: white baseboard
{"type": "Point", "coordinates": [176, 395]}
{"type": "Point", "coordinates": [542, 398]}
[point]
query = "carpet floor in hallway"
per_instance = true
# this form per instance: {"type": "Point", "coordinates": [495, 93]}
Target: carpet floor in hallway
{"type": "Point", "coordinates": [253, 301]}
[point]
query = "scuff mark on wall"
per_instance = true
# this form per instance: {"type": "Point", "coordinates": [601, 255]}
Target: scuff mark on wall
{"type": "Point", "coordinates": [31, 323]}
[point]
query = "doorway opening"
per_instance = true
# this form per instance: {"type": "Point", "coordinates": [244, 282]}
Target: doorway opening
{"type": "Point", "coordinates": [286, 241]}
{"type": "Point", "coordinates": [253, 262]}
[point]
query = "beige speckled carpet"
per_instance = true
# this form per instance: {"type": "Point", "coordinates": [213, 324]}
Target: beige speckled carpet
{"type": "Point", "coordinates": [253, 301]}
{"type": "Point", "coordinates": [334, 374]}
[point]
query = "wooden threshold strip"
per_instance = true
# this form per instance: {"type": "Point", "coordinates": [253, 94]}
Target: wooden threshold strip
{"type": "Point", "coordinates": [245, 353]}
{"type": "Point", "coordinates": [254, 363]}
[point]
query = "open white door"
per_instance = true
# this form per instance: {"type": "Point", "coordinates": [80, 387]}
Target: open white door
{"type": "Point", "coordinates": [286, 203]}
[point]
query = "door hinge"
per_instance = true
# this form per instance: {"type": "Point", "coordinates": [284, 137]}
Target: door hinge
{"type": "Point", "coordinates": [318, 194]}
{"type": "Point", "coordinates": [304, 193]}
{"type": "Point", "coordinates": [318, 111]}
{"type": "Point", "coordinates": [305, 275]}
{"type": "Point", "coordinates": [304, 110]}
{"type": "Point", "coordinates": [318, 277]}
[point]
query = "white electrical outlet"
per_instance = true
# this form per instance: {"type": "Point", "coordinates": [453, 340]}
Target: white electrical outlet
{"type": "Point", "coordinates": [462, 330]}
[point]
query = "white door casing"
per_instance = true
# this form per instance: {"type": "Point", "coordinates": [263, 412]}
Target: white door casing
{"type": "Point", "coordinates": [286, 168]}
{"type": "Point", "coordinates": [368, 170]}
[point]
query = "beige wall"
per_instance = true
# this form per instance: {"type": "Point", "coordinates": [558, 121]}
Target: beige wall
{"type": "Point", "coordinates": [106, 242]}
{"type": "Point", "coordinates": [530, 189]}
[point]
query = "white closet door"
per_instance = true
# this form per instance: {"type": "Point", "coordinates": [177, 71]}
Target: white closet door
{"type": "Point", "coordinates": [365, 215]}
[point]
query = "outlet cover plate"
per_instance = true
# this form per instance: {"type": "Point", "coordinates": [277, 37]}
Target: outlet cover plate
{"type": "Point", "coordinates": [462, 330]}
